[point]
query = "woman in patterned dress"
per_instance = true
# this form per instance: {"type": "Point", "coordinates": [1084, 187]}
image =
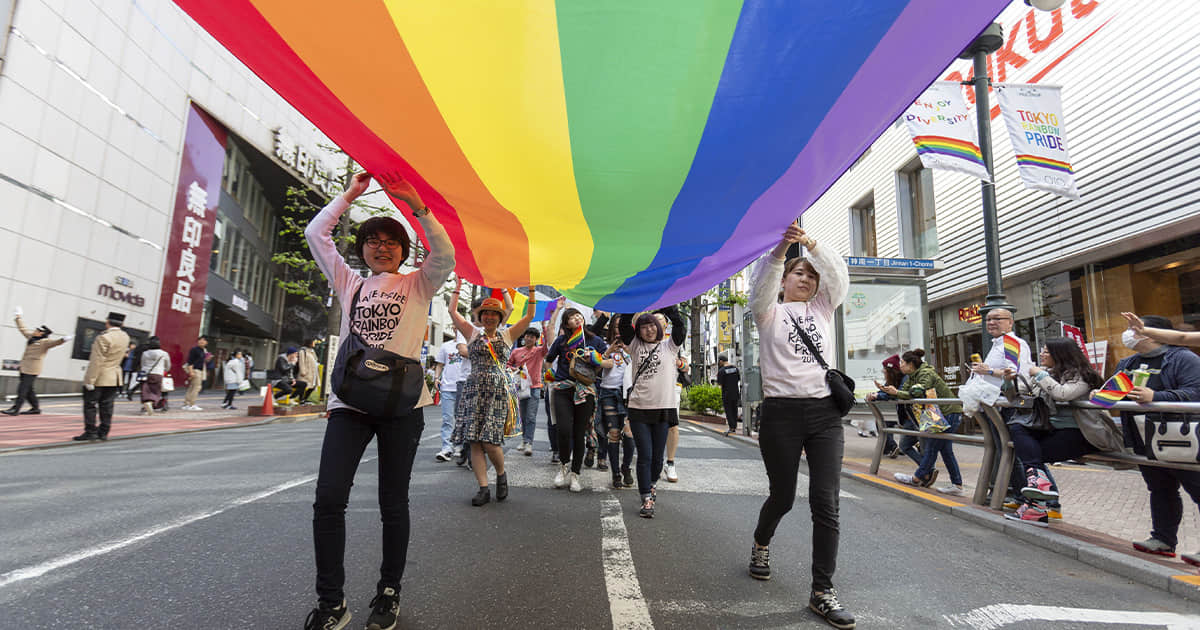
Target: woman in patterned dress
{"type": "Point", "coordinates": [483, 404]}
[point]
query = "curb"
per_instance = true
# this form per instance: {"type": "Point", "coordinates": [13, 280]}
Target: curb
{"type": "Point", "coordinates": [1114, 562]}
{"type": "Point", "coordinates": [271, 420]}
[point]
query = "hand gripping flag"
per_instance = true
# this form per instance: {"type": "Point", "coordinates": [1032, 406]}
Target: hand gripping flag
{"type": "Point", "coordinates": [1113, 391]}
{"type": "Point", "coordinates": [1012, 350]}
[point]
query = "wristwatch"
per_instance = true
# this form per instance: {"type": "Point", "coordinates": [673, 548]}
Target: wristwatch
{"type": "Point", "coordinates": [420, 213]}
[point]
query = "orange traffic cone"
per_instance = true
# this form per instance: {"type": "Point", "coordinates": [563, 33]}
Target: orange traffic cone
{"type": "Point", "coordinates": [268, 408]}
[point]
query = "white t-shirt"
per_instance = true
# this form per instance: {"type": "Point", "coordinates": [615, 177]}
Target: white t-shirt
{"type": "Point", "coordinates": [393, 308]}
{"type": "Point", "coordinates": [614, 377]}
{"type": "Point", "coordinates": [655, 387]}
{"type": "Point", "coordinates": [452, 363]}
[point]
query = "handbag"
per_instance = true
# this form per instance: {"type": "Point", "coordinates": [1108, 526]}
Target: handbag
{"type": "Point", "coordinates": [375, 381]}
{"type": "Point", "coordinates": [1033, 411]}
{"type": "Point", "coordinates": [1169, 439]}
{"type": "Point", "coordinates": [930, 418]}
{"type": "Point", "coordinates": [841, 386]}
{"type": "Point", "coordinates": [168, 383]}
{"type": "Point", "coordinates": [582, 370]}
{"type": "Point", "coordinates": [244, 386]}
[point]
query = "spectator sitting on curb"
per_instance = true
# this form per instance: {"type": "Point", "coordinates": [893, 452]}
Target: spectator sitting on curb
{"type": "Point", "coordinates": [1174, 377]}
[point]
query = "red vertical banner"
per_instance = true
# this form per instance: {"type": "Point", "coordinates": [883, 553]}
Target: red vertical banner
{"type": "Point", "coordinates": [189, 246]}
{"type": "Point", "coordinates": [1074, 333]}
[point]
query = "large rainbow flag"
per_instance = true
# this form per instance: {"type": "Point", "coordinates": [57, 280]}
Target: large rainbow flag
{"type": "Point", "coordinates": [630, 153]}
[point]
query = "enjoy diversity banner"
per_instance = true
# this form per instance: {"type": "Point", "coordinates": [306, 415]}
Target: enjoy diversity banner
{"type": "Point", "coordinates": [1034, 117]}
{"type": "Point", "coordinates": [944, 132]}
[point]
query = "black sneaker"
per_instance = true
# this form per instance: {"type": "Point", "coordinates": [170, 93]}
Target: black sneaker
{"type": "Point", "coordinates": [590, 458]}
{"type": "Point", "coordinates": [627, 477]}
{"type": "Point", "coordinates": [462, 456]}
{"type": "Point", "coordinates": [647, 510]}
{"type": "Point", "coordinates": [827, 605]}
{"type": "Point", "coordinates": [10, 412]}
{"type": "Point", "coordinates": [616, 483]}
{"type": "Point", "coordinates": [385, 608]}
{"type": "Point", "coordinates": [325, 618]}
{"type": "Point", "coordinates": [502, 487]}
{"type": "Point", "coordinates": [483, 496]}
{"type": "Point", "coordinates": [893, 452]}
{"type": "Point", "coordinates": [601, 465]}
{"type": "Point", "coordinates": [86, 437]}
{"type": "Point", "coordinates": [554, 457]}
{"type": "Point", "coordinates": [760, 562]}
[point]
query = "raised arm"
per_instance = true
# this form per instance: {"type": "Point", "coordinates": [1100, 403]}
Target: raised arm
{"type": "Point", "coordinates": [625, 328]}
{"type": "Point", "coordinates": [1162, 335]}
{"type": "Point", "coordinates": [678, 327]}
{"type": "Point", "coordinates": [319, 235]}
{"type": "Point", "coordinates": [440, 261]}
{"type": "Point", "coordinates": [835, 277]}
{"type": "Point", "coordinates": [21, 323]}
{"type": "Point", "coordinates": [518, 328]}
{"type": "Point", "coordinates": [460, 323]}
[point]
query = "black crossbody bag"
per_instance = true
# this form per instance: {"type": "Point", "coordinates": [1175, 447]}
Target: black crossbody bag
{"type": "Point", "coordinates": [841, 386]}
{"type": "Point", "coordinates": [378, 382]}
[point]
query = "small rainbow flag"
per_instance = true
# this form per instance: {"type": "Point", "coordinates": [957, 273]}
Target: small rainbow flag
{"type": "Point", "coordinates": [1113, 390]}
{"type": "Point", "coordinates": [576, 339]}
{"type": "Point", "coordinates": [1012, 350]}
{"type": "Point", "coordinates": [1036, 160]}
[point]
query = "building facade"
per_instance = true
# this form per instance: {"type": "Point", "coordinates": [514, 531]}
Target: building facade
{"type": "Point", "coordinates": [1129, 244]}
{"type": "Point", "coordinates": [143, 172]}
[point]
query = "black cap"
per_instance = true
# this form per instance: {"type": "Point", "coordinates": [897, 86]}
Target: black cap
{"type": "Point", "coordinates": [45, 330]}
{"type": "Point", "coordinates": [116, 318]}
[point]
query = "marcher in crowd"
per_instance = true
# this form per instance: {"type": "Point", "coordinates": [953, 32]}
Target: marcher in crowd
{"type": "Point", "coordinates": [893, 377]}
{"type": "Point", "coordinates": [682, 380]}
{"type": "Point", "coordinates": [156, 363]}
{"type": "Point", "coordinates": [382, 244]}
{"type": "Point", "coordinates": [729, 379]}
{"type": "Point", "coordinates": [306, 368]}
{"type": "Point", "coordinates": [530, 357]}
{"type": "Point", "coordinates": [798, 413]}
{"type": "Point", "coordinates": [486, 401]}
{"type": "Point", "coordinates": [102, 380]}
{"type": "Point", "coordinates": [193, 367]}
{"type": "Point", "coordinates": [652, 402]}
{"type": "Point", "coordinates": [37, 344]}
{"type": "Point", "coordinates": [999, 323]}
{"type": "Point", "coordinates": [573, 402]}
{"type": "Point", "coordinates": [615, 432]}
{"type": "Point", "coordinates": [234, 374]}
{"type": "Point", "coordinates": [1067, 375]}
{"type": "Point", "coordinates": [447, 363]}
{"type": "Point", "coordinates": [1174, 377]}
{"type": "Point", "coordinates": [922, 378]}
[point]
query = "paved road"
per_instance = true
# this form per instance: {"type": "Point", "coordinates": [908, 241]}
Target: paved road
{"type": "Point", "coordinates": [212, 530]}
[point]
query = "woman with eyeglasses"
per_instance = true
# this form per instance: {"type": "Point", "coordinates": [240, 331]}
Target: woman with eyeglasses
{"type": "Point", "coordinates": [389, 310]}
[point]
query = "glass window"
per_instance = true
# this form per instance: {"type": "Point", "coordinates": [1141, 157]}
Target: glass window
{"type": "Point", "coordinates": [880, 320]}
{"type": "Point", "coordinates": [918, 224]}
{"type": "Point", "coordinates": [862, 228]}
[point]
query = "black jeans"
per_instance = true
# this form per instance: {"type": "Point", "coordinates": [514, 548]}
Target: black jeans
{"type": "Point", "coordinates": [100, 398]}
{"type": "Point", "coordinates": [25, 392]}
{"type": "Point", "coordinates": [346, 437]}
{"type": "Point", "coordinates": [1034, 448]}
{"type": "Point", "coordinates": [731, 411]}
{"type": "Point", "coordinates": [789, 428]}
{"type": "Point", "coordinates": [229, 394]}
{"type": "Point", "coordinates": [571, 425]}
{"type": "Point", "coordinates": [651, 442]}
{"type": "Point", "coordinates": [1166, 506]}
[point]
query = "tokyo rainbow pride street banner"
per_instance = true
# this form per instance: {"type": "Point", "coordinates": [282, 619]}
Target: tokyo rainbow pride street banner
{"type": "Point", "coordinates": [1034, 118]}
{"type": "Point", "coordinates": [944, 131]}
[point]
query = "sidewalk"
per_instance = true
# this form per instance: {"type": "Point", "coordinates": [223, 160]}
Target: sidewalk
{"type": "Point", "coordinates": [62, 419]}
{"type": "Point", "coordinates": [1101, 506]}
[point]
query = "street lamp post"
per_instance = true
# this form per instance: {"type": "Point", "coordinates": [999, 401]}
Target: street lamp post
{"type": "Point", "coordinates": [989, 41]}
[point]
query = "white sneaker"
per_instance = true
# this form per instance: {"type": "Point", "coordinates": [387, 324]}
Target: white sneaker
{"type": "Point", "coordinates": [560, 479]}
{"type": "Point", "coordinates": [443, 456]}
{"type": "Point", "coordinates": [669, 472]}
{"type": "Point", "coordinates": [575, 485]}
{"type": "Point", "coordinates": [952, 490]}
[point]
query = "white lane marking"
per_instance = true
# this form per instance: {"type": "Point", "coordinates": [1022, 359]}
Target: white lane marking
{"type": "Point", "coordinates": [43, 568]}
{"type": "Point", "coordinates": [625, 600]}
{"type": "Point", "coordinates": [431, 436]}
{"type": "Point", "coordinates": [1000, 615]}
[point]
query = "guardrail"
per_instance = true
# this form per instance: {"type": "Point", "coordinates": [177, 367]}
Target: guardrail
{"type": "Point", "coordinates": [1004, 448]}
